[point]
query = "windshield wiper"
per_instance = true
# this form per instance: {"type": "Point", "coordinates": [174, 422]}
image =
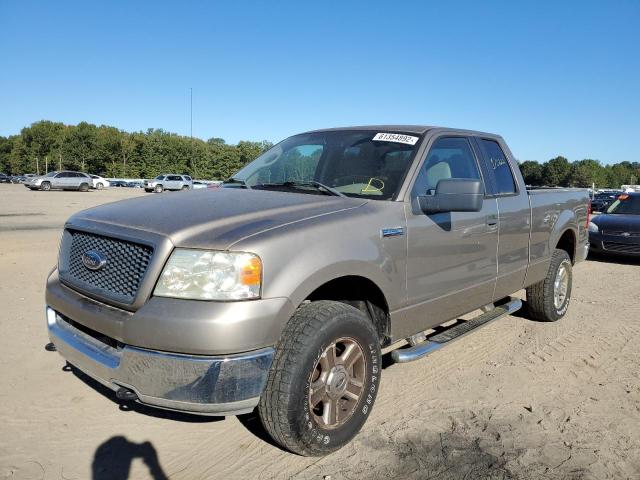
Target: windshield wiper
{"type": "Point", "coordinates": [310, 183]}
{"type": "Point", "coordinates": [238, 181]}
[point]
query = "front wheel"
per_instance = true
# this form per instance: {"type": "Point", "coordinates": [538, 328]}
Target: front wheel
{"type": "Point", "coordinates": [46, 186]}
{"type": "Point", "coordinates": [158, 189]}
{"type": "Point", "coordinates": [99, 186]}
{"type": "Point", "coordinates": [548, 300]}
{"type": "Point", "coordinates": [84, 187]}
{"type": "Point", "coordinates": [324, 379]}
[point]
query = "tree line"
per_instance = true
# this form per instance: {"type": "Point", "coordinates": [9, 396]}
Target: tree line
{"type": "Point", "coordinates": [46, 146]}
{"type": "Point", "coordinates": [559, 172]}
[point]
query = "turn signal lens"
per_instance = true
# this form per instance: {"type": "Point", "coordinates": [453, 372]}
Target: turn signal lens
{"type": "Point", "coordinates": [251, 271]}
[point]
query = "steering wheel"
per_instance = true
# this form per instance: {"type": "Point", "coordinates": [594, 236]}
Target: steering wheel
{"type": "Point", "coordinates": [371, 184]}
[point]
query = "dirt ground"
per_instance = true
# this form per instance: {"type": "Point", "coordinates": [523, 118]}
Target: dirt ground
{"type": "Point", "coordinates": [517, 399]}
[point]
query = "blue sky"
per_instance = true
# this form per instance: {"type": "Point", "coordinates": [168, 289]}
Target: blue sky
{"type": "Point", "coordinates": [551, 77]}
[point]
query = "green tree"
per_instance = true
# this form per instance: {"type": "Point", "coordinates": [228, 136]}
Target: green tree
{"type": "Point", "coordinates": [80, 148]}
{"type": "Point", "coordinates": [532, 172]}
{"type": "Point", "coordinates": [556, 172]}
{"type": "Point", "coordinates": [585, 173]}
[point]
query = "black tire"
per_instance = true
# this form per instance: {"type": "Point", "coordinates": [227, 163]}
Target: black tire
{"type": "Point", "coordinates": [284, 406]}
{"type": "Point", "coordinates": [46, 186]}
{"type": "Point", "coordinates": [541, 296]}
{"type": "Point", "coordinates": [99, 186]}
{"type": "Point", "coordinates": [185, 187]}
{"type": "Point", "coordinates": [84, 187]}
{"type": "Point", "coordinates": [158, 189]}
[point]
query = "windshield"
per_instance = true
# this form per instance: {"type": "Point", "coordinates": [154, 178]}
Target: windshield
{"type": "Point", "coordinates": [159, 177]}
{"type": "Point", "coordinates": [626, 205]}
{"type": "Point", "coordinates": [51, 174]}
{"type": "Point", "coordinates": [356, 163]}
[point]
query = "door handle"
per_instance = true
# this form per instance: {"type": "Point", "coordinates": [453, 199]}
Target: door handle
{"type": "Point", "coordinates": [492, 220]}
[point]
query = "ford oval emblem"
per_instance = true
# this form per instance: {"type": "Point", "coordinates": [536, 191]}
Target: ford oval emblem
{"type": "Point", "coordinates": [93, 260]}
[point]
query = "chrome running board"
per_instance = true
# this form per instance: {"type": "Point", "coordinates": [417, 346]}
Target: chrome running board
{"type": "Point", "coordinates": [437, 340]}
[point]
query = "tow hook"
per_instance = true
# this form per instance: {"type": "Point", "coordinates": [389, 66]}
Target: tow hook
{"type": "Point", "coordinates": [50, 347]}
{"type": "Point", "coordinates": [126, 394]}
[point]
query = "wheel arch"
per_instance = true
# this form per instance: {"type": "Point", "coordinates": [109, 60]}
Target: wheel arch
{"type": "Point", "coordinates": [360, 292]}
{"type": "Point", "coordinates": [567, 241]}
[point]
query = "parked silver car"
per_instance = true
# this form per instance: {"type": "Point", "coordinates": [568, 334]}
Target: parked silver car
{"type": "Point", "coordinates": [168, 182]}
{"type": "Point", "coordinates": [66, 180]}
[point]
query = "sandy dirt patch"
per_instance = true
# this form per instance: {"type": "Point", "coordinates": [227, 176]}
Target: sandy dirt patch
{"type": "Point", "coordinates": [517, 399]}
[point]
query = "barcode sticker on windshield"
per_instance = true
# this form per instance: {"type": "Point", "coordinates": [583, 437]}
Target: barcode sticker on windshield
{"type": "Point", "coordinates": [396, 137]}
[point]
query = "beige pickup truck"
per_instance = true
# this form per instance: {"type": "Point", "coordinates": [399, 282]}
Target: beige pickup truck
{"type": "Point", "coordinates": [279, 291]}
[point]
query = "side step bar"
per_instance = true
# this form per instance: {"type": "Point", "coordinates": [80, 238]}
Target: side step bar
{"type": "Point", "coordinates": [438, 340]}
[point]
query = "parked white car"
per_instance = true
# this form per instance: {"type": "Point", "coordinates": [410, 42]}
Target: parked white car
{"type": "Point", "coordinates": [168, 182]}
{"type": "Point", "coordinates": [197, 184]}
{"type": "Point", "coordinates": [99, 182]}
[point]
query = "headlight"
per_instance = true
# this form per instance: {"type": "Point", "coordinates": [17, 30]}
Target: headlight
{"type": "Point", "coordinates": [210, 275]}
{"type": "Point", "coordinates": [593, 228]}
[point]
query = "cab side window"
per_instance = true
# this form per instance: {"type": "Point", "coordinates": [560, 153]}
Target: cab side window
{"type": "Point", "coordinates": [497, 167]}
{"type": "Point", "coordinates": [449, 157]}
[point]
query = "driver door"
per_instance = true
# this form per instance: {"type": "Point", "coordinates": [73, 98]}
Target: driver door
{"type": "Point", "coordinates": [452, 256]}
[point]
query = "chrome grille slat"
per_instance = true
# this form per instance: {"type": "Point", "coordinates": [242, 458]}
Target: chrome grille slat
{"type": "Point", "coordinates": [120, 278]}
{"type": "Point", "coordinates": [621, 247]}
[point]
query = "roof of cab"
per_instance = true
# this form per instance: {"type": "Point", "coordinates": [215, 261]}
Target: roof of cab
{"type": "Point", "coordinates": [416, 129]}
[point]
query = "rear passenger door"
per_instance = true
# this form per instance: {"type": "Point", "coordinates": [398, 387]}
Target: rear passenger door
{"type": "Point", "coordinates": [174, 182]}
{"type": "Point", "coordinates": [514, 214]}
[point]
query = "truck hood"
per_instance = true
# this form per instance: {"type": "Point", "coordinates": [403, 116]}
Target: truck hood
{"type": "Point", "coordinates": [213, 218]}
{"type": "Point", "coordinates": [618, 223]}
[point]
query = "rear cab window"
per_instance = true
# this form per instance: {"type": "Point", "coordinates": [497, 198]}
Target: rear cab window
{"type": "Point", "coordinates": [496, 168]}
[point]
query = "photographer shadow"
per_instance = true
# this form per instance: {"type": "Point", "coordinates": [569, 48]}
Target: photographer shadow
{"type": "Point", "coordinates": [113, 459]}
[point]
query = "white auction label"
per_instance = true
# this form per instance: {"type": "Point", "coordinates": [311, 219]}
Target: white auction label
{"type": "Point", "coordinates": [396, 137]}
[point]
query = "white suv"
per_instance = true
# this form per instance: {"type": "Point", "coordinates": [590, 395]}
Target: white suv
{"type": "Point", "coordinates": [168, 182]}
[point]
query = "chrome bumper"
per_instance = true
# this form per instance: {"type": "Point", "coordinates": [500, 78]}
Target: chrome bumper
{"type": "Point", "coordinates": [583, 253]}
{"type": "Point", "coordinates": [205, 385]}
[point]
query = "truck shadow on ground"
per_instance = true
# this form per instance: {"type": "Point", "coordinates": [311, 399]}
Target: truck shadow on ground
{"type": "Point", "coordinates": [113, 459]}
{"type": "Point", "coordinates": [138, 407]}
{"type": "Point", "coordinates": [616, 259]}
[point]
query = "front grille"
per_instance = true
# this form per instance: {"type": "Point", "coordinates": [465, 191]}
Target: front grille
{"type": "Point", "coordinates": [622, 247]}
{"type": "Point", "coordinates": [121, 276]}
{"type": "Point", "coordinates": [107, 340]}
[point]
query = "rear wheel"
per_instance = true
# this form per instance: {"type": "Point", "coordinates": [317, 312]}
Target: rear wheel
{"type": "Point", "coordinates": [324, 379]}
{"type": "Point", "coordinates": [548, 300]}
{"type": "Point", "coordinates": [158, 189]}
{"type": "Point", "coordinates": [46, 186]}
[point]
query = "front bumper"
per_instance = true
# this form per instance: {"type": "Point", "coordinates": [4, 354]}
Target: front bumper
{"type": "Point", "coordinates": [614, 244]}
{"type": "Point", "coordinates": [207, 385]}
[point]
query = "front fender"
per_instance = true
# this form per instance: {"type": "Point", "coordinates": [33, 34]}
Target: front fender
{"type": "Point", "coordinates": [299, 258]}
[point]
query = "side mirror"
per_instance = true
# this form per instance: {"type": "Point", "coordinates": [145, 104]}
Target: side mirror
{"type": "Point", "coordinates": [454, 195]}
